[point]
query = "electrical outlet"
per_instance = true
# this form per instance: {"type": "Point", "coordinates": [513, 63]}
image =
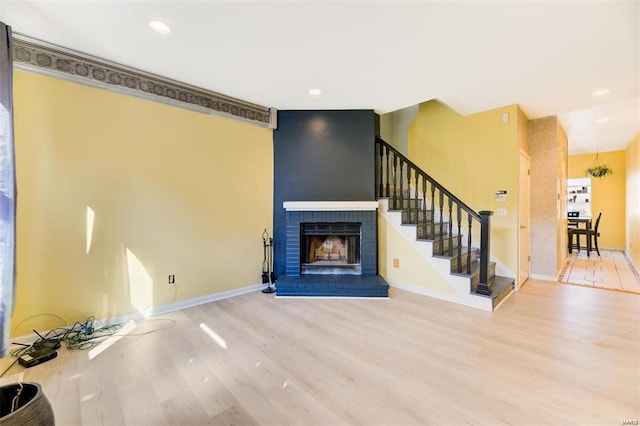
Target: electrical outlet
{"type": "Point", "coordinates": [172, 279]}
{"type": "Point", "coordinates": [396, 263]}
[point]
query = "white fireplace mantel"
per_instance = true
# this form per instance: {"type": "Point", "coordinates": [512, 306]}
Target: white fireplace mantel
{"type": "Point", "coordinates": [327, 206]}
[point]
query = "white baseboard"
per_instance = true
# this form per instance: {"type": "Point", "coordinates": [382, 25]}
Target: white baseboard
{"type": "Point", "coordinates": [471, 301]}
{"type": "Point", "coordinates": [171, 307]}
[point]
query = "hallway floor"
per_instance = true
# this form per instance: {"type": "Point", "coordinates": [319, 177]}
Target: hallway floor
{"type": "Point", "coordinates": [612, 270]}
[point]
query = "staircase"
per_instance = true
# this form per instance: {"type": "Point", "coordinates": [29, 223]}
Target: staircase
{"type": "Point", "coordinates": [450, 236]}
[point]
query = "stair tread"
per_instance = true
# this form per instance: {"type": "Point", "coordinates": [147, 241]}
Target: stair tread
{"type": "Point", "coordinates": [463, 251]}
{"type": "Point", "coordinates": [475, 269]}
{"type": "Point", "coordinates": [446, 237]}
{"type": "Point", "coordinates": [498, 285]}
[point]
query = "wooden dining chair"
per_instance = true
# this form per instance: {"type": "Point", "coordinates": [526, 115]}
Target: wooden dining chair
{"type": "Point", "coordinates": [591, 235]}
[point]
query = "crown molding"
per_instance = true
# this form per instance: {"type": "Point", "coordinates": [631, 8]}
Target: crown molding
{"type": "Point", "coordinates": [41, 57]}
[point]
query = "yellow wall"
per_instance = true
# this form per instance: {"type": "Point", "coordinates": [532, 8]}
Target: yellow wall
{"type": "Point", "coordinates": [473, 157]}
{"type": "Point", "coordinates": [172, 191]}
{"type": "Point", "coordinates": [523, 131]}
{"type": "Point", "coordinates": [412, 269]}
{"type": "Point", "coordinates": [633, 200]}
{"type": "Point", "coordinates": [394, 127]}
{"type": "Point", "coordinates": [608, 195]}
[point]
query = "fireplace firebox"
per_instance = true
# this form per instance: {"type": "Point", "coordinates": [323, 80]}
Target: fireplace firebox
{"type": "Point", "coordinates": [330, 248]}
{"type": "Point", "coordinates": [346, 242]}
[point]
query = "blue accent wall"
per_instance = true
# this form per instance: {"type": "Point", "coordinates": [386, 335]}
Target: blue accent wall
{"type": "Point", "coordinates": [320, 156]}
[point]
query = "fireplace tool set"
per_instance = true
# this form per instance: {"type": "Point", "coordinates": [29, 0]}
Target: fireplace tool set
{"type": "Point", "coordinates": [268, 277]}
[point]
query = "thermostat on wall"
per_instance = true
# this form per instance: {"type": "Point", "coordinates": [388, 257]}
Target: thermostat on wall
{"type": "Point", "coordinates": [501, 196]}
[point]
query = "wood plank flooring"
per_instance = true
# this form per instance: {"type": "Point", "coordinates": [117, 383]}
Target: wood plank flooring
{"type": "Point", "coordinates": [552, 354]}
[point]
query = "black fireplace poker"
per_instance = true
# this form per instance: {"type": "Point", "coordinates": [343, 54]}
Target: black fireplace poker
{"type": "Point", "coordinates": [268, 277]}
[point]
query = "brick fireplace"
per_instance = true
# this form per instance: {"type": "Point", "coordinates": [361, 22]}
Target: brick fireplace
{"type": "Point", "coordinates": [331, 249]}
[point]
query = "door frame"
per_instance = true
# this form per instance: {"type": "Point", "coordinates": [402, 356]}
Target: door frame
{"type": "Point", "coordinates": [524, 218]}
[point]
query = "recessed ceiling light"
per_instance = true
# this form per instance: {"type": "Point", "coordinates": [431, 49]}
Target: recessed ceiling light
{"type": "Point", "coordinates": [601, 92]}
{"type": "Point", "coordinates": [160, 27]}
{"type": "Point", "coordinates": [602, 120]}
{"type": "Point", "coordinates": [315, 92]}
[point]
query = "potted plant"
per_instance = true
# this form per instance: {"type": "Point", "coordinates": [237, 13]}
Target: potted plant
{"type": "Point", "coordinates": [598, 169]}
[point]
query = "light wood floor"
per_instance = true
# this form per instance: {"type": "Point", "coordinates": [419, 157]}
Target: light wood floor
{"type": "Point", "coordinates": [552, 354]}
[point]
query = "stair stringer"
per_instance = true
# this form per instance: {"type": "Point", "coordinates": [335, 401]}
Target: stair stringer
{"type": "Point", "coordinates": [461, 285]}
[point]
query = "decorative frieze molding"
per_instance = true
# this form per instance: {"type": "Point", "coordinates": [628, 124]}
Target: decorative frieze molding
{"type": "Point", "coordinates": [38, 56]}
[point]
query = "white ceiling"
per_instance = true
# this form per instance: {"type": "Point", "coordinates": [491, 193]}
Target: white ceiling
{"type": "Point", "coordinates": [385, 55]}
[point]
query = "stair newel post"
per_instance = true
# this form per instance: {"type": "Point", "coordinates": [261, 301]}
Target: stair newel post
{"type": "Point", "coordinates": [459, 236]}
{"type": "Point", "coordinates": [470, 226]}
{"type": "Point", "coordinates": [450, 251]}
{"type": "Point", "coordinates": [485, 228]}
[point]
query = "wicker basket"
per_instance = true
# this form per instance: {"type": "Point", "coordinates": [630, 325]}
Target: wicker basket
{"type": "Point", "coordinates": [31, 408]}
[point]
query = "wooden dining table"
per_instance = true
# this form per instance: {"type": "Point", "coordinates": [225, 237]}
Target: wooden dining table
{"type": "Point", "coordinates": [577, 221]}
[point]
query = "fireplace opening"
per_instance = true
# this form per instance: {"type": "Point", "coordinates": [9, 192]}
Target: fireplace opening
{"type": "Point", "coordinates": [330, 248]}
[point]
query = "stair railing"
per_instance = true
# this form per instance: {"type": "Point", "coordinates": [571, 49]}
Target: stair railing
{"type": "Point", "coordinates": [420, 197]}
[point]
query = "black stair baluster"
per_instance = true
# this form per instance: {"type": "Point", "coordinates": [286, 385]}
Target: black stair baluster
{"type": "Point", "coordinates": [459, 237]}
{"type": "Point", "coordinates": [380, 176]}
{"type": "Point", "coordinates": [401, 188]}
{"type": "Point", "coordinates": [395, 185]}
{"type": "Point", "coordinates": [432, 222]}
{"type": "Point", "coordinates": [417, 191]}
{"type": "Point", "coordinates": [409, 218]}
{"type": "Point", "coordinates": [424, 206]}
{"type": "Point", "coordinates": [450, 250]}
{"type": "Point", "coordinates": [387, 172]}
{"type": "Point", "coordinates": [441, 223]}
{"type": "Point", "coordinates": [469, 244]}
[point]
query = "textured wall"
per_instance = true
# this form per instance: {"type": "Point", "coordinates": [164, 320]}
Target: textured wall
{"type": "Point", "coordinates": [545, 190]}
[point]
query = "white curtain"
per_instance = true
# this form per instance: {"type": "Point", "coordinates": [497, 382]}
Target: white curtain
{"type": "Point", "coordinates": [7, 190]}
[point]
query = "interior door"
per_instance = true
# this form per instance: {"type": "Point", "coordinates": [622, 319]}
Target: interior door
{"type": "Point", "coordinates": [524, 209]}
